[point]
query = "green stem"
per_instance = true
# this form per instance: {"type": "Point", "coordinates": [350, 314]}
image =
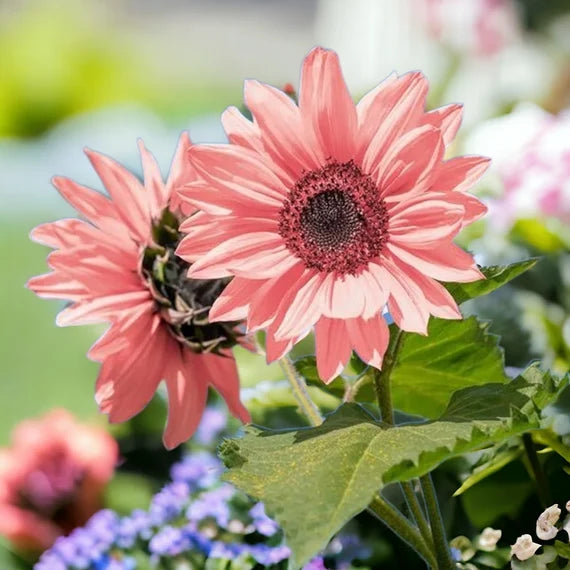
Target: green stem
{"type": "Point", "coordinates": [398, 523]}
{"type": "Point", "coordinates": [308, 407]}
{"type": "Point", "coordinates": [442, 552]}
{"type": "Point", "coordinates": [540, 479]}
{"type": "Point", "coordinates": [417, 511]}
{"type": "Point", "coordinates": [382, 382]}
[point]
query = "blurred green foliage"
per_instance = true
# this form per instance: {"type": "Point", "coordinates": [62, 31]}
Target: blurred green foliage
{"type": "Point", "coordinates": [43, 366]}
{"type": "Point", "coordinates": [57, 59]}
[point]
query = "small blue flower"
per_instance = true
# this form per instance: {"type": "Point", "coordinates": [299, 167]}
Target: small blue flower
{"type": "Point", "coordinates": [262, 523]}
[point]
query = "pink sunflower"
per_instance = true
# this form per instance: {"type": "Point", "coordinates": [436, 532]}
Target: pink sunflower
{"type": "Point", "coordinates": [119, 267]}
{"type": "Point", "coordinates": [327, 212]}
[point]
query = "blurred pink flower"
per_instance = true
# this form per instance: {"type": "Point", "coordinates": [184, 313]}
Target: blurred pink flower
{"type": "Point", "coordinates": [52, 478]}
{"type": "Point", "coordinates": [328, 211]}
{"type": "Point", "coordinates": [530, 149]}
{"type": "Point", "coordinates": [119, 267]}
{"type": "Point", "coordinates": [478, 27]}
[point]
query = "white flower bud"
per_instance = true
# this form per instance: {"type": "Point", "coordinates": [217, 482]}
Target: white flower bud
{"type": "Point", "coordinates": [488, 539]}
{"type": "Point", "coordinates": [524, 548]}
{"type": "Point", "coordinates": [568, 506]}
{"type": "Point", "coordinates": [545, 525]}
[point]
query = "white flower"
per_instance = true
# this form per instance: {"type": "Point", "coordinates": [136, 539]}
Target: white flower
{"type": "Point", "coordinates": [524, 548]}
{"type": "Point", "coordinates": [488, 539]}
{"type": "Point", "coordinates": [545, 525]}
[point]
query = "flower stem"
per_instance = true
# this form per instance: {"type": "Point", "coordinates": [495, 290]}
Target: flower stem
{"type": "Point", "coordinates": [417, 511]}
{"type": "Point", "coordinates": [299, 386]}
{"type": "Point", "coordinates": [398, 523]}
{"type": "Point", "coordinates": [437, 539]}
{"type": "Point", "coordinates": [443, 554]}
{"type": "Point", "coordinates": [382, 382]}
{"type": "Point", "coordinates": [540, 479]}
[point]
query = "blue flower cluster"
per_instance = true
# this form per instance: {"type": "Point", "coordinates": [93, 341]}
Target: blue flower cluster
{"type": "Point", "coordinates": [194, 518]}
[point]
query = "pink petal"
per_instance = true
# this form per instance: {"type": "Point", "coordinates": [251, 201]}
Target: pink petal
{"type": "Point", "coordinates": [181, 173]}
{"type": "Point", "coordinates": [53, 286]}
{"type": "Point", "coordinates": [240, 131]}
{"type": "Point", "coordinates": [369, 337]}
{"type": "Point", "coordinates": [258, 255]}
{"type": "Point", "coordinates": [111, 342]}
{"type": "Point", "coordinates": [405, 100]}
{"type": "Point", "coordinates": [202, 238]}
{"type": "Point", "coordinates": [325, 103]}
{"type": "Point", "coordinates": [199, 195]}
{"type": "Point", "coordinates": [283, 132]}
{"type": "Point", "coordinates": [154, 186]}
{"type": "Point", "coordinates": [101, 309]}
{"type": "Point", "coordinates": [95, 207]}
{"type": "Point", "coordinates": [376, 296]}
{"type": "Point", "coordinates": [408, 167]}
{"type": "Point", "coordinates": [87, 265]}
{"type": "Point", "coordinates": [446, 262]}
{"type": "Point", "coordinates": [473, 208]}
{"type": "Point", "coordinates": [233, 303]}
{"type": "Point", "coordinates": [459, 173]}
{"type": "Point", "coordinates": [301, 308]}
{"type": "Point", "coordinates": [239, 171]}
{"type": "Point", "coordinates": [266, 298]}
{"type": "Point", "coordinates": [447, 119]}
{"type": "Point", "coordinates": [373, 108]}
{"type": "Point", "coordinates": [342, 296]}
{"type": "Point", "coordinates": [223, 375]}
{"type": "Point", "coordinates": [129, 378]}
{"type": "Point", "coordinates": [276, 349]}
{"type": "Point", "coordinates": [425, 221]}
{"type": "Point", "coordinates": [439, 301]}
{"type": "Point", "coordinates": [332, 347]}
{"type": "Point", "coordinates": [350, 296]}
{"type": "Point", "coordinates": [120, 333]}
{"type": "Point", "coordinates": [187, 385]}
{"type": "Point", "coordinates": [127, 193]}
{"type": "Point", "coordinates": [406, 301]}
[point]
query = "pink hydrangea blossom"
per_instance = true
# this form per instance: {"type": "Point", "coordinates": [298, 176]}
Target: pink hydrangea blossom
{"type": "Point", "coordinates": [52, 478]}
{"type": "Point", "coordinates": [478, 27]}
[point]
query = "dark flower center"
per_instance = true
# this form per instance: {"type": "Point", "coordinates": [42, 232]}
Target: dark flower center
{"type": "Point", "coordinates": [334, 219]}
{"type": "Point", "coordinates": [330, 219]}
{"type": "Point", "coordinates": [184, 303]}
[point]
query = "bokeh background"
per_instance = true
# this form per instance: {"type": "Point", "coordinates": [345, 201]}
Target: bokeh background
{"type": "Point", "coordinates": [101, 73]}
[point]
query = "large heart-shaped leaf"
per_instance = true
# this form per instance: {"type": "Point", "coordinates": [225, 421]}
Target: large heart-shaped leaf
{"type": "Point", "coordinates": [454, 355]}
{"type": "Point", "coordinates": [314, 480]}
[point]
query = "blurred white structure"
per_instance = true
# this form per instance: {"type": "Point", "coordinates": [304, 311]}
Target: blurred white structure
{"type": "Point", "coordinates": [376, 37]}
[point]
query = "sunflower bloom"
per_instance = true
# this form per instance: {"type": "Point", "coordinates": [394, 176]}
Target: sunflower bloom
{"type": "Point", "coordinates": [327, 212]}
{"type": "Point", "coordinates": [119, 267]}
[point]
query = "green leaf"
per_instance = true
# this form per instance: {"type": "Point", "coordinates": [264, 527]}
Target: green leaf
{"type": "Point", "coordinates": [495, 277]}
{"type": "Point", "coordinates": [562, 549]}
{"type": "Point", "coordinates": [314, 480]}
{"type": "Point", "coordinates": [536, 234]}
{"type": "Point", "coordinates": [454, 355]}
{"type": "Point", "coordinates": [495, 464]}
